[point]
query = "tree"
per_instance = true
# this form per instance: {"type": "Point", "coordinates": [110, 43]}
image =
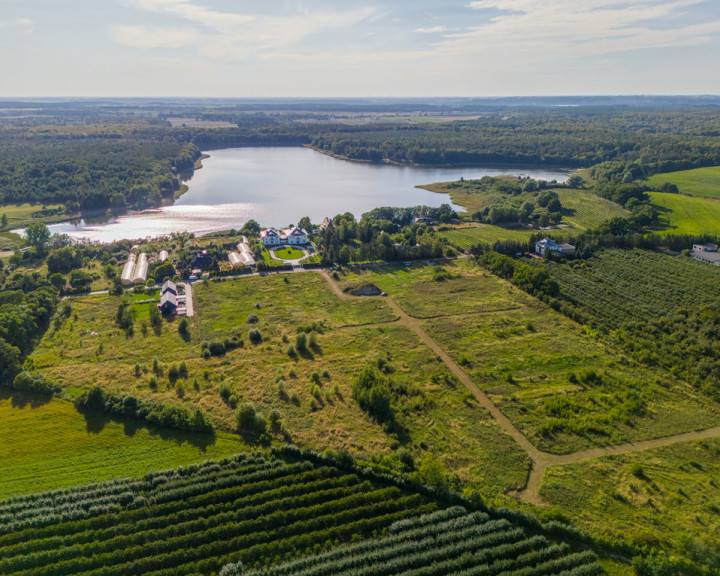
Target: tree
{"type": "Point", "coordinates": [575, 181]}
{"type": "Point", "coordinates": [57, 280]}
{"type": "Point", "coordinates": [38, 235]}
{"type": "Point", "coordinates": [4, 220]}
{"type": "Point", "coordinates": [305, 224]}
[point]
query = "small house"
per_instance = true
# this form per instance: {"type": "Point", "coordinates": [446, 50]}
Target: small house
{"type": "Point", "coordinates": [326, 223]}
{"type": "Point", "coordinates": [169, 287]}
{"type": "Point", "coordinates": [706, 253]}
{"type": "Point", "coordinates": [422, 220]}
{"type": "Point", "coordinates": [270, 237]}
{"type": "Point", "coordinates": [705, 247]}
{"type": "Point", "coordinates": [168, 303]}
{"type": "Point", "coordinates": [557, 248]}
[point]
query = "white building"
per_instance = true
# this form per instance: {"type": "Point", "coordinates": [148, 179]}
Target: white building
{"type": "Point", "coordinates": [706, 253]}
{"type": "Point", "coordinates": [559, 248]}
{"type": "Point", "coordinates": [270, 237]}
{"type": "Point", "coordinates": [295, 235]}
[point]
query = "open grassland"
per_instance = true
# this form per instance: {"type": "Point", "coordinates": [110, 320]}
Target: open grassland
{"type": "Point", "coordinates": [667, 496]}
{"type": "Point", "coordinates": [19, 215]}
{"type": "Point", "coordinates": [562, 387]}
{"type": "Point", "coordinates": [312, 389]}
{"type": "Point", "coordinates": [49, 445]}
{"type": "Point", "coordinates": [582, 210]}
{"type": "Point", "coordinates": [701, 182]}
{"type": "Point", "coordinates": [424, 291]}
{"type": "Point", "coordinates": [686, 214]}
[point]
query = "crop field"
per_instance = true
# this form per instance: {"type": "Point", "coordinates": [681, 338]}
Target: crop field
{"type": "Point", "coordinates": [686, 214]}
{"type": "Point", "coordinates": [49, 445]}
{"type": "Point", "coordinates": [639, 496]}
{"type": "Point", "coordinates": [256, 511]}
{"type": "Point", "coordinates": [617, 286]}
{"type": "Point", "coordinates": [445, 542]}
{"type": "Point", "coordinates": [312, 389]}
{"type": "Point", "coordinates": [701, 182]}
{"type": "Point", "coordinates": [468, 235]}
{"type": "Point", "coordinates": [583, 210]}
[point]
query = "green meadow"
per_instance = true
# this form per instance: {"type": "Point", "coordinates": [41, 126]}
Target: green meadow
{"type": "Point", "coordinates": [701, 182]}
{"type": "Point", "coordinates": [681, 214]}
{"type": "Point", "coordinates": [49, 444]}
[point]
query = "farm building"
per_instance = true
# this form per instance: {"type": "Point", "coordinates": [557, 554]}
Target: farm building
{"type": "Point", "coordinates": [127, 272]}
{"type": "Point", "coordinates": [168, 303]}
{"type": "Point", "coordinates": [706, 253]}
{"type": "Point", "coordinates": [170, 287]}
{"type": "Point", "coordinates": [559, 248]}
{"type": "Point", "coordinates": [270, 237]}
{"type": "Point", "coordinates": [163, 256]}
{"type": "Point", "coordinates": [234, 259]}
{"type": "Point", "coordinates": [295, 235]}
{"type": "Point", "coordinates": [141, 269]}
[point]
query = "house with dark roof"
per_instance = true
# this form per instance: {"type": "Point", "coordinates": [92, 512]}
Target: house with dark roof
{"type": "Point", "coordinates": [295, 235]}
{"type": "Point", "coordinates": [168, 303]}
{"type": "Point", "coordinates": [270, 237]}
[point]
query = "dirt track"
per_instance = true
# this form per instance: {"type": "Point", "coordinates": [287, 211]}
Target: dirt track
{"type": "Point", "coordinates": [540, 460]}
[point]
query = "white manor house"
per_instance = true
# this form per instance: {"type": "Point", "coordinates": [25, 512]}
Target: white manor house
{"type": "Point", "coordinates": [294, 235]}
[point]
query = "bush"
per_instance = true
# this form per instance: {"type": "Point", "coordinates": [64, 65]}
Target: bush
{"type": "Point", "coordinates": [183, 370]}
{"type": "Point", "coordinates": [183, 329]}
{"type": "Point", "coordinates": [249, 421]}
{"type": "Point", "coordinates": [301, 342]}
{"type": "Point", "coordinates": [290, 350]}
{"type": "Point", "coordinates": [252, 319]}
{"type": "Point", "coordinates": [225, 391]}
{"type": "Point", "coordinates": [216, 348]}
{"type": "Point", "coordinates": [255, 336]}
{"type": "Point", "coordinates": [34, 383]}
{"type": "Point", "coordinates": [173, 373]}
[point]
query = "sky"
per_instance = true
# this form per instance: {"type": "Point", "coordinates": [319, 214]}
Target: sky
{"type": "Point", "coordinates": [358, 48]}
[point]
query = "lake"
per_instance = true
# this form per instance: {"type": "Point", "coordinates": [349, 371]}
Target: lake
{"type": "Point", "coordinates": [277, 187]}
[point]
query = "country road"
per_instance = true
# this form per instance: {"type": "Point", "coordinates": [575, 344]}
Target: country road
{"type": "Point", "coordinates": [540, 460]}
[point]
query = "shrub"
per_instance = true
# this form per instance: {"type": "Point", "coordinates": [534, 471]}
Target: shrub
{"type": "Point", "coordinates": [216, 348]}
{"type": "Point", "coordinates": [34, 383]}
{"type": "Point", "coordinates": [255, 336]}
{"type": "Point", "coordinates": [315, 378]}
{"type": "Point", "coordinates": [225, 391]}
{"type": "Point", "coordinates": [173, 373]}
{"type": "Point", "coordinates": [183, 370]}
{"type": "Point", "coordinates": [183, 329]}
{"type": "Point", "coordinates": [138, 370]}
{"type": "Point", "coordinates": [294, 398]}
{"type": "Point", "coordinates": [326, 374]}
{"type": "Point", "coordinates": [179, 389]}
{"type": "Point", "coordinates": [274, 419]}
{"type": "Point", "coordinates": [245, 417]}
{"type": "Point", "coordinates": [253, 319]}
{"type": "Point", "coordinates": [153, 383]}
{"type": "Point", "coordinates": [301, 342]}
{"type": "Point", "coordinates": [291, 351]}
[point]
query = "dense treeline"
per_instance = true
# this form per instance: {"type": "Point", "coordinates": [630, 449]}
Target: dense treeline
{"type": "Point", "coordinates": [384, 234]}
{"type": "Point", "coordinates": [26, 307]}
{"type": "Point", "coordinates": [167, 415]}
{"type": "Point", "coordinates": [88, 171]}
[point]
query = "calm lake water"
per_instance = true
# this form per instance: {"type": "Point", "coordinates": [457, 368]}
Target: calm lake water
{"type": "Point", "coordinates": [277, 187]}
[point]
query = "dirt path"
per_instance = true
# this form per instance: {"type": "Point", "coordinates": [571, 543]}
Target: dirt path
{"type": "Point", "coordinates": [540, 460]}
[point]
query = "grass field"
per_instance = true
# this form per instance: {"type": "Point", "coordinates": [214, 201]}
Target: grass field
{"type": "Point", "coordinates": [667, 496]}
{"type": "Point", "coordinates": [535, 363]}
{"type": "Point", "coordinates": [435, 416]}
{"type": "Point", "coordinates": [701, 182]}
{"type": "Point", "coordinates": [686, 214]}
{"type": "Point", "coordinates": [581, 210]}
{"type": "Point", "coordinates": [19, 215]}
{"type": "Point", "coordinates": [51, 445]}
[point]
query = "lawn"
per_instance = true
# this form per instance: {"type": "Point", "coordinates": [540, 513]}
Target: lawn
{"type": "Point", "coordinates": [681, 214]}
{"type": "Point", "coordinates": [666, 496]}
{"type": "Point", "coordinates": [701, 182]}
{"type": "Point", "coordinates": [288, 253]}
{"type": "Point", "coordinates": [48, 444]}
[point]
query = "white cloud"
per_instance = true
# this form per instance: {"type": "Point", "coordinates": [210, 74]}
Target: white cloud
{"type": "Point", "coordinates": [529, 31]}
{"type": "Point", "coordinates": [232, 36]}
{"type": "Point", "coordinates": [432, 30]}
{"type": "Point", "coordinates": [153, 36]}
{"type": "Point", "coordinates": [16, 22]}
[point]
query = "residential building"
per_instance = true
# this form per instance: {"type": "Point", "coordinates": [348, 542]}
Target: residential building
{"type": "Point", "coordinates": [558, 248]}
{"type": "Point", "coordinates": [270, 237]}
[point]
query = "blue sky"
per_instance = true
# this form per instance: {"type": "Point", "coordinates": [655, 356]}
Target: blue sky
{"type": "Point", "coordinates": [360, 48]}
